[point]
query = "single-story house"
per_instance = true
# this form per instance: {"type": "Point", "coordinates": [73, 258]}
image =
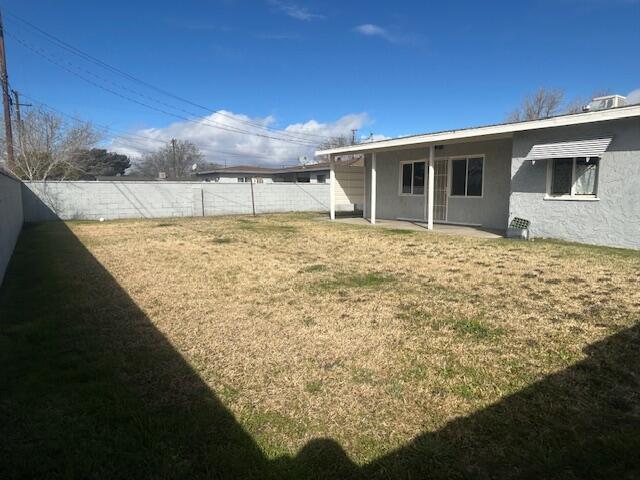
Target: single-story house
{"type": "Point", "coordinates": [574, 177]}
{"type": "Point", "coordinates": [309, 173]}
{"type": "Point", "coordinates": [237, 174]}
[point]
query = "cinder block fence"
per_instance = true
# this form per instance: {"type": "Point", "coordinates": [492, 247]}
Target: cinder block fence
{"type": "Point", "coordinates": [113, 200]}
{"type": "Point", "coordinates": [42, 201]}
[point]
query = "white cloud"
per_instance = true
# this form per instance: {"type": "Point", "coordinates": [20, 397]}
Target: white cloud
{"type": "Point", "coordinates": [371, 30]}
{"type": "Point", "coordinates": [235, 148]}
{"type": "Point", "coordinates": [294, 11]}
{"type": "Point", "coordinates": [633, 97]}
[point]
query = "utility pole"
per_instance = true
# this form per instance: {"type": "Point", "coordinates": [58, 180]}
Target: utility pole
{"type": "Point", "coordinates": [6, 100]}
{"type": "Point", "coordinates": [16, 101]}
{"type": "Point", "coordinates": [353, 135]}
{"type": "Point", "coordinates": [175, 162]}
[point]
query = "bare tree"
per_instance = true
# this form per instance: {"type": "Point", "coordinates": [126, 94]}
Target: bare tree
{"type": "Point", "coordinates": [175, 160]}
{"type": "Point", "coordinates": [544, 103]}
{"type": "Point", "coordinates": [48, 147]}
{"type": "Point", "coordinates": [547, 102]}
{"type": "Point", "coordinates": [335, 142]}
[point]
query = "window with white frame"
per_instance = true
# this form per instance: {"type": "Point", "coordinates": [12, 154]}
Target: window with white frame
{"type": "Point", "coordinates": [573, 177]}
{"type": "Point", "coordinates": [467, 176]}
{"type": "Point", "coordinates": [412, 177]}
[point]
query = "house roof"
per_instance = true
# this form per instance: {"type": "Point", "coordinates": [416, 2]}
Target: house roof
{"type": "Point", "coordinates": [314, 167]}
{"type": "Point", "coordinates": [244, 169]}
{"type": "Point", "coordinates": [489, 131]}
{"type": "Point", "coordinates": [250, 169]}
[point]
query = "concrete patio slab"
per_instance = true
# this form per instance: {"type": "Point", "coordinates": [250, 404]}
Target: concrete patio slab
{"type": "Point", "coordinates": [446, 229]}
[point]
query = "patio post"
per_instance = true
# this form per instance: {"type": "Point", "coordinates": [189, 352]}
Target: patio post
{"type": "Point", "coordinates": [430, 187]}
{"type": "Point", "coordinates": [332, 188]}
{"type": "Point", "coordinates": [364, 187]}
{"type": "Point", "coordinates": [373, 187]}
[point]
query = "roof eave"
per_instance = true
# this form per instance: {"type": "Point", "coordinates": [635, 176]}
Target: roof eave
{"type": "Point", "coordinates": [489, 131]}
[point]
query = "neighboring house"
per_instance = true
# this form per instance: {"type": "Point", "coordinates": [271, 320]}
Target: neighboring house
{"type": "Point", "coordinates": [574, 177]}
{"type": "Point", "coordinates": [311, 173]}
{"type": "Point", "coordinates": [237, 174]}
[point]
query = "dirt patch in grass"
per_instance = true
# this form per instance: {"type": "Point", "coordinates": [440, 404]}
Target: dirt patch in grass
{"type": "Point", "coordinates": [307, 329]}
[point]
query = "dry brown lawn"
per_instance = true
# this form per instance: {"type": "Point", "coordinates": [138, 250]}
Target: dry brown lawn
{"type": "Point", "coordinates": [371, 337]}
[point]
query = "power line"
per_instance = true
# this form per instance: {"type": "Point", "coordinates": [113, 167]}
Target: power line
{"type": "Point", "coordinates": [201, 121]}
{"type": "Point", "coordinates": [87, 57]}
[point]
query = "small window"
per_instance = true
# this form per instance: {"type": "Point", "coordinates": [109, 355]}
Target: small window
{"type": "Point", "coordinates": [418, 178]}
{"type": "Point", "coordinates": [574, 177]}
{"type": "Point", "coordinates": [586, 175]}
{"type": "Point", "coordinates": [458, 177]}
{"type": "Point", "coordinates": [467, 176]}
{"type": "Point", "coordinates": [321, 179]}
{"type": "Point", "coordinates": [474, 177]}
{"type": "Point", "coordinates": [413, 175]}
{"type": "Point", "coordinates": [407, 171]}
{"type": "Point", "coordinates": [562, 176]}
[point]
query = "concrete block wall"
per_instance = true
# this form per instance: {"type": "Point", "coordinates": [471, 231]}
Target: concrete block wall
{"type": "Point", "coordinates": [113, 200]}
{"type": "Point", "coordinates": [11, 216]}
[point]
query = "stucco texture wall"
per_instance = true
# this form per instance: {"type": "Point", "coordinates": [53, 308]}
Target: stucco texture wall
{"type": "Point", "coordinates": [10, 219]}
{"type": "Point", "coordinates": [614, 219]}
{"type": "Point", "coordinates": [349, 187]}
{"type": "Point", "coordinates": [113, 200]}
{"type": "Point", "coordinates": [490, 211]}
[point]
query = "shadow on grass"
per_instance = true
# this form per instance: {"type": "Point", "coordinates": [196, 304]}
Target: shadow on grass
{"type": "Point", "coordinates": [90, 389]}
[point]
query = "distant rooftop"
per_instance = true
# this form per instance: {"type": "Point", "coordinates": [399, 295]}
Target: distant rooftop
{"type": "Point", "coordinates": [251, 169]}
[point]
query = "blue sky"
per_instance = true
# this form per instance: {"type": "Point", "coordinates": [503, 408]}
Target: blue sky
{"type": "Point", "coordinates": [390, 68]}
